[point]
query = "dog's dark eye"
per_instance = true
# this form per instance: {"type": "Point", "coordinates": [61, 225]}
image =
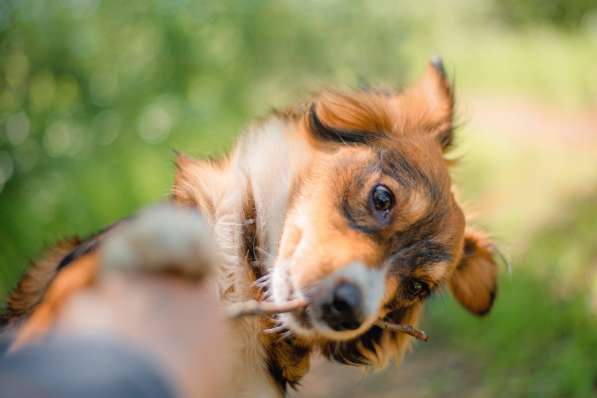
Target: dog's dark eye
{"type": "Point", "coordinates": [416, 288]}
{"type": "Point", "coordinates": [382, 199]}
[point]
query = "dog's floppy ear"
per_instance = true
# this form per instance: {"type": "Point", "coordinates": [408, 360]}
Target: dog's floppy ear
{"type": "Point", "coordinates": [474, 281]}
{"type": "Point", "coordinates": [430, 104]}
{"type": "Point", "coordinates": [357, 118]}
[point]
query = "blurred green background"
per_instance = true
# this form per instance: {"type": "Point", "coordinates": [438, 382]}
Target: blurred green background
{"type": "Point", "coordinates": [94, 94]}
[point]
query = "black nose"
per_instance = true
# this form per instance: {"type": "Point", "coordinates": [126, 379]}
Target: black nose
{"type": "Point", "coordinates": [343, 310]}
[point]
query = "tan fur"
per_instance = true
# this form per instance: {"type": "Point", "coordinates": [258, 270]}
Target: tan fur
{"type": "Point", "coordinates": [360, 111]}
{"type": "Point", "coordinates": [71, 280]}
{"type": "Point", "coordinates": [474, 281]}
{"type": "Point", "coordinates": [33, 284]}
{"type": "Point", "coordinates": [431, 106]}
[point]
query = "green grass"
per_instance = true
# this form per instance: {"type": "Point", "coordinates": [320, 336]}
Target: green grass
{"type": "Point", "coordinates": [485, 55]}
{"type": "Point", "coordinates": [539, 340]}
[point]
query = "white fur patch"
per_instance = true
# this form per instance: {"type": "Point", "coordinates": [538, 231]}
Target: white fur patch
{"type": "Point", "coordinates": [273, 157]}
{"type": "Point", "coordinates": [371, 283]}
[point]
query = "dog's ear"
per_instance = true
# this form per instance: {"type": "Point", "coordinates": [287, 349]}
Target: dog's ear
{"type": "Point", "coordinates": [474, 281]}
{"type": "Point", "coordinates": [357, 118]}
{"type": "Point", "coordinates": [429, 104]}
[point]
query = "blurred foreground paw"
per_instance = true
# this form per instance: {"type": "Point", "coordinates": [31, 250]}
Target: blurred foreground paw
{"type": "Point", "coordinates": [165, 238]}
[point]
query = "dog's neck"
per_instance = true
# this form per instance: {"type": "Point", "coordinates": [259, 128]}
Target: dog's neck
{"type": "Point", "coordinates": [246, 200]}
{"type": "Point", "coordinates": [272, 158]}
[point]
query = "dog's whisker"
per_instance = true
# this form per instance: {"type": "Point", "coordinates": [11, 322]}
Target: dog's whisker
{"type": "Point", "coordinates": [263, 279]}
{"type": "Point", "coordinates": [275, 329]}
{"type": "Point", "coordinates": [263, 283]}
{"type": "Point", "coordinates": [286, 335]}
{"type": "Point", "coordinates": [277, 320]}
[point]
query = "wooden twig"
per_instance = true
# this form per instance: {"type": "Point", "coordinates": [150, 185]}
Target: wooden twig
{"type": "Point", "coordinates": [255, 308]}
{"type": "Point", "coordinates": [408, 329]}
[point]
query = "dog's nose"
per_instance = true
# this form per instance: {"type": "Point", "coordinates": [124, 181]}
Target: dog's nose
{"type": "Point", "coordinates": [343, 310]}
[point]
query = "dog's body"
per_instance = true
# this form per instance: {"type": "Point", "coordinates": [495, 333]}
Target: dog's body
{"type": "Point", "coordinates": [346, 202]}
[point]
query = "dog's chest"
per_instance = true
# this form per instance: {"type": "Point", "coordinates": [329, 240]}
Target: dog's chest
{"type": "Point", "coordinates": [266, 365]}
{"type": "Point", "coordinates": [287, 360]}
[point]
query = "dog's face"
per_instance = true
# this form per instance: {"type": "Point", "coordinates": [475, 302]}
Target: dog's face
{"type": "Point", "coordinates": [374, 227]}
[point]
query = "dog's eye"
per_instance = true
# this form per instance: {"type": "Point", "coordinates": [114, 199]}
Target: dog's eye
{"type": "Point", "coordinates": [382, 199]}
{"type": "Point", "coordinates": [416, 288]}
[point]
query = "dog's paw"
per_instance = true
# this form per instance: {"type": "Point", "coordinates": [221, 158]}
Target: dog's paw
{"type": "Point", "coordinates": [165, 238]}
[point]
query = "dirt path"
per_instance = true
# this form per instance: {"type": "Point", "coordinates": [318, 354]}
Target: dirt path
{"type": "Point", "coordinates": [527, 159]}
{"type": "Point", "coordinates": [430, 371]}
{"type": "Point", "coordinates": [522, 118]}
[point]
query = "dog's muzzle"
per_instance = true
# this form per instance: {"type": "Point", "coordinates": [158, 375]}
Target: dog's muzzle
{"type": "Point", "coordinates": [346, 299]}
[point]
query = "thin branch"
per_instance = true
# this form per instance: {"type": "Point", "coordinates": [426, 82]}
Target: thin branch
{"type": "Point", "coordinates": [256, 308]}
{"type": "Point", "coordinates": [408, 329]}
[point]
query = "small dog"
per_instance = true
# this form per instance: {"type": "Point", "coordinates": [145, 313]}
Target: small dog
{"type": "Point", "coordinates": [345, 201]}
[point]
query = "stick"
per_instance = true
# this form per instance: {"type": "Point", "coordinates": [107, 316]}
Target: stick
{"type": "Point", "coordinates": [255, 308]}
{"type": "Point", "coordinates": [408, 329]}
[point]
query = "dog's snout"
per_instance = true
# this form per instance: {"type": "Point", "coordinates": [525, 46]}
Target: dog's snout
{"type": "Point", "coordinates": [346, 298]}
{"type": "Point", "coordinates": [342, 311]}
{"type": "Point", "coordinates": [343, 302]}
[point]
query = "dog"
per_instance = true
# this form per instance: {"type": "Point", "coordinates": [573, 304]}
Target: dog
{"type": "Point", "coordinates": [345, 201]}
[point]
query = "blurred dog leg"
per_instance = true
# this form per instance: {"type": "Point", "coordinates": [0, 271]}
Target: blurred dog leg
{"type": "Point", "coordinates": [176, 320]}
{"type": "Point", "coordinates": [165, 238]}
{"type": "Point", "coordinates": [149, 287]}
{"type": "Point", "coordinates": [154, 292]}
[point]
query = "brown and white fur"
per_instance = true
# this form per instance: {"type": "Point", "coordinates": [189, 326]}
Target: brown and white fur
{"type": "Point", "coordinates": [296, 210]}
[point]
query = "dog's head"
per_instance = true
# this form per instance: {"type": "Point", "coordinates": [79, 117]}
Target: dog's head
{"type": "Point", "coordinates": [374, 227]}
